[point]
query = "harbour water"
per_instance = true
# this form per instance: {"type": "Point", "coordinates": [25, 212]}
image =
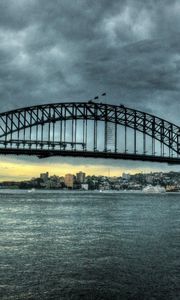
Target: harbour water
{"type": "Point", "coordinates": [85, 245]}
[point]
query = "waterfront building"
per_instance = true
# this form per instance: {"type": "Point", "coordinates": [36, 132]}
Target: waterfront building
{"type": "Point", "coordinates": [149, 178]}
{"type": "Point", "coordinates": [44, 176]}
{"type": "Point", "coordinates": [69, 180]}
{"type": "Point", "coordinates": [126, 176]}
{"type": "Point", "coordinates": [84, 186]}
{"type": "Point", "coordinates": [80, 177]}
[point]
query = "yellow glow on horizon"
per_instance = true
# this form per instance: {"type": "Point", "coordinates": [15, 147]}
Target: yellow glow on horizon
{"type": "Point", "coordinates": [20, 170]}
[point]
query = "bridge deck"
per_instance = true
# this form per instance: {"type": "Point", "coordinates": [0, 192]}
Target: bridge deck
{"type": "Point", "coordinates": [42, 153]}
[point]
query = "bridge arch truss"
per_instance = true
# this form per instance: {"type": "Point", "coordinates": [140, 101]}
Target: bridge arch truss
{"type": "Point", "coordinates": [89, 129]}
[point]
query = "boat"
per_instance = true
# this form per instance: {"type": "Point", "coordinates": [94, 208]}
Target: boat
{"type": "Point", "coordinates": [31, 190]}
{"type": "Point", "coordinates": [153, 189]}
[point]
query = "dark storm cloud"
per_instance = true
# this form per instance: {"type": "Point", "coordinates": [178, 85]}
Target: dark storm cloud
{"type": "Point", "coordinates": [60, 50]}
{"type": "Point", "coordinates": [64, 50]}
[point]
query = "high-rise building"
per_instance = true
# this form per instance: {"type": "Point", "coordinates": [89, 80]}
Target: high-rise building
{"type": "Point", "coordinates": [69, 180]}
{"type": "Point", "coordinates": [80, 177]}
{"type": "Point", "coordinates": [44, 176]}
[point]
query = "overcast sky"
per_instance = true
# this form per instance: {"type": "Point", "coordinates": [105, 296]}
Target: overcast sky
{"type": "Point", "coordinates": [57, 51]}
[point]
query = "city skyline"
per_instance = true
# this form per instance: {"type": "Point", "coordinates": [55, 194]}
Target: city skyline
{"type": "Point", "coordinates": [21, 170]}
{"type": "Point", "coordinates": [162, 182]}
{"type": "Point", "coordinates": [85, 173]}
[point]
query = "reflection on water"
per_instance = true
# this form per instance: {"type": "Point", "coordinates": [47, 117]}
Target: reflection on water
{"type": "Point", "coordinates": [67, 245]}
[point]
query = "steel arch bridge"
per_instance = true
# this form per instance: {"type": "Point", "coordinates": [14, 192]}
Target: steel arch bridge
{"type": "Point", "coordinates": [88, 129]}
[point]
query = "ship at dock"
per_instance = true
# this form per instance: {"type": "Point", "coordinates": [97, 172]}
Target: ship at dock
{"type": "Point", "coordinates": [153, 189]}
